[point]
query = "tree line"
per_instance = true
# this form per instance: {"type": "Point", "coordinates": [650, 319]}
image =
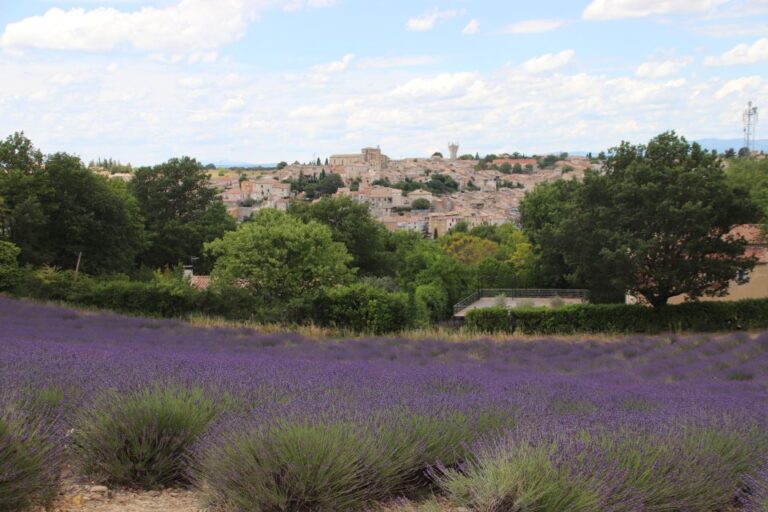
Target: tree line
{"type": "Point", "coordinates": [654, 221]}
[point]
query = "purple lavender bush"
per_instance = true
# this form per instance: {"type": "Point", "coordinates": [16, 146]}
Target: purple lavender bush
{"type": "Point", "coordinates": [30, 462]}
{"type": "Point", "coordinates": [142, 438]}
{"type": "Point", "coordinates": [520, 477]}
{"type": "Point", "coordinates": [642, 423]}
{"type": "Point", "coordinates": [294, 467]}
{"type": "Point", "coordinates": [755, 493]}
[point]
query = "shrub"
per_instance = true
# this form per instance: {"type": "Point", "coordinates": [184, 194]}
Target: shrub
{"type": "Point", "coordinates": [416, 444]}
{"type": "Point", "coordinates": [364, 308]}
{"type": "Point", "coordinates": [30, 461]}
{"type": "Point", "coordinates": [46, 283]}
{"type": "Point", "coordinates": [167, 298]}
{"type": "Point", "coordinates": [755, 495]}
{"type": "Point", "coordinates": [518, 477]}
{"type": "Point", "coordinates": [430, 302]}
{"type": "Point", "coordinates": [9, 267]}
{"type": "Point", "coordinates": [141, 439]}
{"type": "Point", "coordinates": [621, 318]}
{"type": "Point", "coordinates": [292, 467]}
{"type": "Point", "coordinates": [688, 468]}
{"type": "Point", "coordinates": [494, 319]}
{"type": "Point", "coordinates": [557, 302]}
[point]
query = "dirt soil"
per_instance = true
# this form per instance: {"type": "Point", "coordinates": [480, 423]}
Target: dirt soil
{"type": "Point", "coordinates": [97, 498]}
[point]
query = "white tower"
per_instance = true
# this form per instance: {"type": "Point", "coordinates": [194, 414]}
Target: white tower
{"type": "Point", "coordinates": [454, 149]}
{"type": "Point", "coordinates": [750, 123]}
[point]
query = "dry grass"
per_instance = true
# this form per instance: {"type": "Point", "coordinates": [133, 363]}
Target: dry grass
{"type": "Point", "coordinates": [311, 331]}
{"type": "Point", "coordinates": [454, 334]}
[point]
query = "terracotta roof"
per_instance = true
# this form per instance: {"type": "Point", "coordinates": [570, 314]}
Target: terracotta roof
{"type": "Point", "coordinates": [753, 233]}
{"type": "Point", "coordinates": [200, 282]}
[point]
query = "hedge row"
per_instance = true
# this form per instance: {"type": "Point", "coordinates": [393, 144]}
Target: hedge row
{"type": "Point", "coordinates": [363, 308]}
{"type": "Point", "coordinates": [621, 318]}
{"type": "Point", "coordinates": [358, 307]}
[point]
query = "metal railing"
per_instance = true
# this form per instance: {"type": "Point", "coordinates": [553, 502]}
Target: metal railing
{"type": "Point", "coordinates": [523, 293]}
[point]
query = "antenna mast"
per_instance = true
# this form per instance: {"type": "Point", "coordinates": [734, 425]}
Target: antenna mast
{"type": "Point", "coordinates": [750, 118]}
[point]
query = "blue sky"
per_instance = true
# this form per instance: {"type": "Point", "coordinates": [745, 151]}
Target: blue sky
{"type": "Point", "coordinates": [269, 80]}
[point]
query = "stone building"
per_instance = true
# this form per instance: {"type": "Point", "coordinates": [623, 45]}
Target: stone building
{"type": "Point", "coordinates": [372, 157]}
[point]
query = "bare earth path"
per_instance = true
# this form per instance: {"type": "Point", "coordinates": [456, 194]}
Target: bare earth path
{"type": "Point", "coordinates": [95, 498]}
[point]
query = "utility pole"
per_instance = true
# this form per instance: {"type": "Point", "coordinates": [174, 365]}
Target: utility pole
{"type": "Point", "coordinates": [77, 266]}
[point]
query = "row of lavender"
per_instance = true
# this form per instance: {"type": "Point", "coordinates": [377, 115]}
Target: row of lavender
{"type": "Point", "coordinates": [277, 422]}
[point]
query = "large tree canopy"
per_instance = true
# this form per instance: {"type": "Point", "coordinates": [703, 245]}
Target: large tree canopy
{"type": "Point", "coordinates": [351, 223]}
{"type": "Point", "coordinates": [181, 211]}
{"type": "Point", "coordinates": [63, 209]}
{"type": "Point", "coordinates": [278, 257]}
{"type": "Point", "coordinates": [655, 221]}
{"type": "Point", "coordinates": [751, 174]}
{"type": "Point", "coordinates": [18, 153]}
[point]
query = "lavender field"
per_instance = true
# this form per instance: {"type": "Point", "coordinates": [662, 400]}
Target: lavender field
{"type": "Point", "coordinates": [282, 423]}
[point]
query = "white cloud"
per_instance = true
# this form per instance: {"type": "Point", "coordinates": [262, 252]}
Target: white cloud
{"type": "Point", "coordinates": [616, 9]}
{"type": "Point", "coordinates": [656, 69]}
{"type": "Point", "coordinates": [297, 5]}
{"type": "Point", "coordinates": [548, 61]}
{"type": "Point", "coordinates": [731, 30]}
{"type": "Point", "coordinates": [235, 103]}
{"type": "Point", "coordinates": [472, 28]}
{"type": "Point", "coordinates": [427, 20]}
{"type": "Point", "coordinates": [739, 85]}
{"type": "Point", "coordinates": [440, 86]}
{"type": "Point", "coordinates": [143, 112]}
{"type": "Point", "coordinates": [188, 27]}
{"type": "Point", "coordinates": [336, 66]}
{"type": "Point", "coordinates": [534, 26]}
{"type": "Point", "coordinates": [398, 61]}
{"type": "Point", "coordinates": [741, 54]}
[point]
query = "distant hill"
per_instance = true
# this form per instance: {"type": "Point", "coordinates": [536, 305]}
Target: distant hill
{"type": "Point", "coordinates": [230, 164]}
{"type": "Point", "coordinates": [722, 145]}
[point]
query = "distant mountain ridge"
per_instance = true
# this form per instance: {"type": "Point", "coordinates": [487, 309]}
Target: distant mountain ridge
{"type": "Point", "coordinates": [722, 145]}
{"type": "Point", "coordinates": [234, 163]}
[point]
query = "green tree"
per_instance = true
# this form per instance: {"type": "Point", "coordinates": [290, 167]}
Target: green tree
{"type": "Point", "coordinates": [90, 214]}
{"type": "Point", "coordinates": [752, 175]}
{"type": "Point", "coordinates": [543, 214]}
{"type": "Point", "coordinates": [22, 217]}
{"type": "Point", "coordinates": [18, 153]}
{"type": "Point", "coordinates": [506, 168]}
{"type": "Point", "coordinates": [469, 249]}
{"type": "Point", "coordinates": [64, 209]}
{"type": "Point", "coordinates": [351, 223]}
{"type": "Point", "coordinates": [9, 264]}
{"type": "Point", "coordinates": [181, 210]}
{"type": "Point", "coordinates": [281, 165]}
{"type": "Point", "coordinates": [654, 222]}
{"type": "Point", "coordinates": [329, 184]}
{"type": "Point", "coordinates": [277, 257]}
{"type": "Point", "coordinates": [421, 204]}
{"type": "Point", "coordinates": [425, 262]}
{"type": "Point", "coordinates": [441, 184]}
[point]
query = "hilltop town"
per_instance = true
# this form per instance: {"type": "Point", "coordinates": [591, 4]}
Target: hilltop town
{"type": "Point", "coordinates": [429, 195]}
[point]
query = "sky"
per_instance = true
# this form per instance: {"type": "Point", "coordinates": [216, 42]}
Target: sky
{"type": "Point", "coordinates": [143, 81]}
